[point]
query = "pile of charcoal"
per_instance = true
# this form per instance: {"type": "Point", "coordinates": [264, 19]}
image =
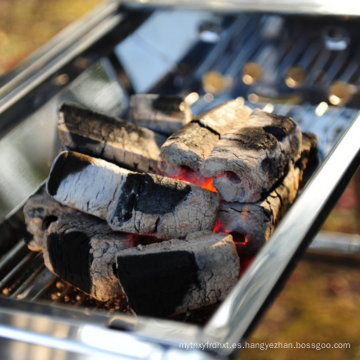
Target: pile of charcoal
{"type": "Point", "coordinates": [161, 206]}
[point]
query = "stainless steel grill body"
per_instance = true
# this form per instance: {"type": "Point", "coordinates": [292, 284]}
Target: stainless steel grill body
{"type": "Point", "coordinates": [107, 56]}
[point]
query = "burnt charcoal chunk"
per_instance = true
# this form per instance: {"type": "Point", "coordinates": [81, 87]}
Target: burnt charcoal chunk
{"type": "Point", "coordinates": [161, 113]}
{"type": "Point", "coordinates": [252, 138]}
{"type": "Point", "coordinates": [83, 143]}
{"type": "Point", "coordinates": [161, 197]}
{"type": "Point", "coordinates": [142, 193]}
{"type": "Point", "coordinates": [280, 127]}
{"type": "Point", "coordinates": [174, 276]}
{"type": "Point", "coordinates": [109, 138]}
{"type": "Point", "coordinates": [77, 114]}
{"type": "Point", "coordinates": [309, 151]}
{"type": "Point", "coordinates": [192, 144]}
{"type": "Point", "coordinates": [52, 226]}
{"type": "Point", "coordinates": [161, 288]}
{"type": "Point", "coordinates": [79, 248]}
{"type": "Point", "coordinates": [71, 259]}
{"type": "Point", "coordinates": [138, 203]}
{"type": "Point", "coordinates": [258, 152]}
{"type": "Point", "coordinates": [256, 221]}
{"type": "Point", "coordinates": [67, 164]}
{"type": "Point", "coordinates": [36, 212]}
{"type": "Point", "coordinates": [278, 132]}
{"type": "Point", "coordinates": [48, 220]}
{"type": "Point", "coordinates": [104, 244]}
{"type": "Point", "coordinates": [40, 212]}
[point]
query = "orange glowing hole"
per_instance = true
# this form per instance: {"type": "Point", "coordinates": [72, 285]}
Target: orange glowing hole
{"type": "Point", "coordinates": [238, 238]}
{"type": "Point", "coordinates": [217, 227]}
{"type": "Point", "coordinates": [188, 175]}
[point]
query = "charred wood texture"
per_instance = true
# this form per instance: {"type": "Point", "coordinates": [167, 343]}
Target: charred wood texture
{"type": "Point", "coordinates": [308, 150]}
{"type": "Point", "coordinates": [193, 143]}
{"type": "Point", "coordinates": [247, 162]}
{"type": "Point", "coordinates": [81, 250]}
{"type": "Point", "coordinates": [180, 275]}
{"type": "Point", "coordinates": [131, 202]}
{"type": "Point", "coordinates": [39, 212]}
{"type": "Point", "coordinates": [161, 113]}
{"type": "Point", "coordinates": [109, 138]}
{"type": "Point", "coordinates": [255, 222]}
{"type": "Point", "coordinates": [77, 247]}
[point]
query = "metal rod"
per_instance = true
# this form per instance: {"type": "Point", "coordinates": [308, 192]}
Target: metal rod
{"type": "Point", "coordinates": [41, 286]}
{"type": "Point", "coordinates": [27, 282]}
{"type": "Point", "coordinates": [56, 46]}
{"type": "Point", "coordinates": [76, 49]}
{"type": "Point", "coordinates": [16, 250]}
{"type": "Point", "coordinates": [16, 269]}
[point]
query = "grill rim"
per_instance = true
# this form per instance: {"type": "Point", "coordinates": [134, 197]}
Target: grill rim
{"type": "Point", "coordinates": [167, 332]}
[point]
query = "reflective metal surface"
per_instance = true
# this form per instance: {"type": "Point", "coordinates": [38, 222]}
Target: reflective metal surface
{"type": "Point", "coordinates": [41, 327]}
{"type": "Point", "coordinates": [52, 331]}
{"type": "Point", "coordinates": [308, 7]}
{"type": "Point", "coordinates": [238, 312]}
{"type": "Point", "coordinates": [336, 246]}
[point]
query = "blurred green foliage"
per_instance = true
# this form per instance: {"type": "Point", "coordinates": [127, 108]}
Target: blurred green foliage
{"type": "Point", "coordinates": [25, 25]}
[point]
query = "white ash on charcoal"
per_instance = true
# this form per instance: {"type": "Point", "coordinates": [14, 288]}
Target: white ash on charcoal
{"type": "Point", "coordinates": [180, 275]}
{"type": "Point", "coordinates": [82, 250]}
{"type": "Point", "coordinates": [77, 247]}
{"type": "Point", "coordinates": [131, 202]}
{"type": "Point", "coordinates": [109, 138]}
{"type": "Point", "coordinates": [39, 212]}
{"type": "Point", "coordinates": [161, 113]}
{"type": "Point", "coordinates": [247, 162]}
{"type": "Point", "coordinates": [252, 224]}
{"type": "Point", "coordinates": [191, 145]}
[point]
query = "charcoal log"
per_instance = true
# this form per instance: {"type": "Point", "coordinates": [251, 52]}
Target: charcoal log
{"type": "Point", "coordinates": [252, 224]}
{"type": "Point", "coordinates": [77, 247]}
{"type": "Point", "coordinates": [39, 212]}
{"type": "Point", "coordinates": [161, 113]}
{"type": "Point", "coordinates": [82, 250]}
{"type": "Point", "coordinates": [109, 138]}
{"type": "Point", "coordinates": [178, 275]}
{"type": "Point", "coordinates": [131, 202]}
{"type": "Point", "coordinates": [192, 144]}
{"type": "Point", "coordinates": [251, 158]}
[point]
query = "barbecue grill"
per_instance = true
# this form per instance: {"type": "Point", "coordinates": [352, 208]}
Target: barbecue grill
{"type": "Point", "coordinates": [299, 66]}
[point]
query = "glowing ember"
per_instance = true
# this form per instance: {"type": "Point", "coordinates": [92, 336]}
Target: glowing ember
{"type": "Point", "coordinates": [217, 227]}
{"type": "Point", "coordinates": [239, 239]}
{"type": "Point", "coordinates": [188, 175]}
{"type": "Point", "coordinates": [245, 262]}
{"type": "Point", "coordinates": [143, 240]}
